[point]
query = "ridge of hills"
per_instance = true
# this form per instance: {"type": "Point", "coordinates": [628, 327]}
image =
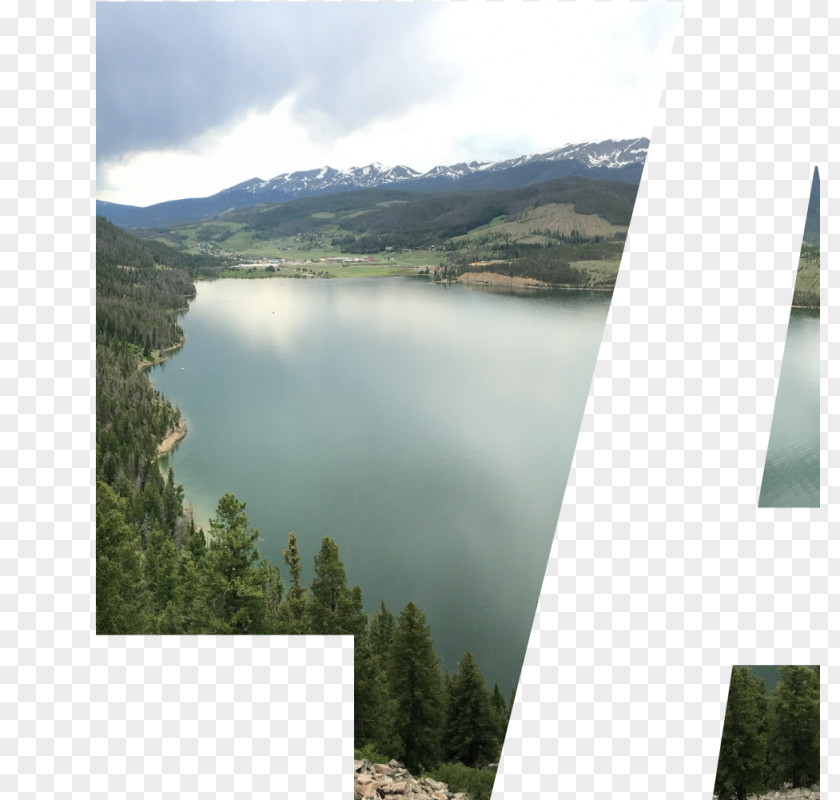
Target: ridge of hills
{"type": "Point", "coordinates": [556, 223]}
{"type": "Point", "coordinates": [607, 160]}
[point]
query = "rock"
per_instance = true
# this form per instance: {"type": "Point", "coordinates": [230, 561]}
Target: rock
{"type": "Point", "coordinates": [392, 781]}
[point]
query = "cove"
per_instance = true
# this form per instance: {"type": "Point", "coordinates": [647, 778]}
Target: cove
{"type": "Point", "coordinates": [427, 429]}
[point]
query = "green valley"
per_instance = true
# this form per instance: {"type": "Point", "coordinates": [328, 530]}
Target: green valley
{"type": "Point", "coordinates": [566, 232]}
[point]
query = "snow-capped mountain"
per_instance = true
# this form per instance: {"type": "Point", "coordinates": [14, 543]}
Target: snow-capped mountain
{"type": "Point", "coordinates": [607, 160]}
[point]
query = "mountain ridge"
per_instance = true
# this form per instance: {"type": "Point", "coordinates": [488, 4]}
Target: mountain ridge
{"type": "Point", "coordinates": [610, 159]}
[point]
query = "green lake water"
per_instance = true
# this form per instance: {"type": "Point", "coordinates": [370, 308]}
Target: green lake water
{"type": "Point", "coordinates": [428, 430]}
{"type": "Point", "coordinates": [792, 469]}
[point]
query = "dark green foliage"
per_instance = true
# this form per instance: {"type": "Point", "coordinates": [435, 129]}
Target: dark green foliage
{"type": "Point", "coordinates": [369, 752]}
{"type": "Point", "coordinates": [381, 630]}
{"type": "Point", "coordinates": [769, 738]}
{"type": "Point", "coordinates": [122, 596]}
{"type": "Point", "coordinates": [471, 732]}
{"type": "Point", "coordinates": [137, 296]}
{"type": "Point", "coordinates": [795, 727]}
{"type": "Point", "coordinates": [373, 710]}
{"type": "Point", "coordinates": [477, 783]}
{"type": "Point", "coordinates": [271, 583]}
{"type": "Point", "coordinates": [296, 596]}
{"type": "Point", "coordinates": [115, 247]}
{"type": "Point", "coordinates": [374, 219]}
{"type": "Point", "coordinates": [131, 419]}
{"type": "Point", "coordinates": [742, 745]}
{"type": "Point", "coordinates": [417, 690]}
{"type": "Point", "coordinates": [332, 608]}
{"type": "Point", "coordinates": [162, 570]}
{"type": "Point", "coordinates": [501, 714]}
{"type": "Point", "coordinates": [232, 588]}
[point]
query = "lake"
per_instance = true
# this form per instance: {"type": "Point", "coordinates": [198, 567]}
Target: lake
{"type": "Point", "coordinates": [427, 429]}
{"type": "Point", "coordinates": [792, 469]}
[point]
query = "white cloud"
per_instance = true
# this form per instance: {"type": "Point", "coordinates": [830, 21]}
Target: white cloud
{"type": "Point", "coordinates": [519, 77]}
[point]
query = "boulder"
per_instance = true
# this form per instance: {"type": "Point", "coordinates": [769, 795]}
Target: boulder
{"type": "Point", "coordinates": [392, 781]}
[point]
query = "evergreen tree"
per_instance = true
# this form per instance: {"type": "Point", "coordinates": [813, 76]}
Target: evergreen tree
{"type": "Point", "coordinates": [191, 610]}
{"type": "Point", "coordinates": [796, 726]}
{"type": "Point", "coordinates": [332, 608]}
{"type": "Point", "coordinates": [163, 571]}
{"type": "Point", "coordinates": [196, 545]}
{"type": "Point", "coordinates": [271, 581]}
{"type": "Point", "coordinates": [381, 629]}
{"type": "Point", "coordinates": [232, 589]}
{"type": "Point", "coordinates": [122, 595]}
{"type": "Point", "coordinates": [742, 745]}
{"type": "Point", "coordinates": [173, 498]}
{"type": "Point", "coordinates": [471, 730]}
{"type": "Point", "coordinates": [296, 596]}
{"type": "Point", "coordinates": [417, 690]}
{"type": "Point", "coordinates": [500, 715]}
{"type": "Point", "coordinates": [373, 709]}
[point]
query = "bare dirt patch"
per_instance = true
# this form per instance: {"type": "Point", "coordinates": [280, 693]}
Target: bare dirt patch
{"type": "Point", "coordinates": [172, 438]}
{"type": "Point", "coordinates": [493, 279]}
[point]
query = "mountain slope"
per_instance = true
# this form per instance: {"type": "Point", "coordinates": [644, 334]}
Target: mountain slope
{"type": "Point", "coordinates": [607, 160]}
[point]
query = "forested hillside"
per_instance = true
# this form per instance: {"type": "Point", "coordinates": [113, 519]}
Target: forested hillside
{"type": "Point", "coordinates": [390, 218]}
{"type": "Point", "coordinates": [567, 232]}
{"type": "Point", "coordinates": [156, 573]}
{"type": "Point", "coordinates": [770, 738]}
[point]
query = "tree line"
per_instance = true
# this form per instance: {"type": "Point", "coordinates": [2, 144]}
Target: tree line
{"type": "Point", "coordinates": [405, 705]}
{"type": "Point", "coordinates": [770, 739]}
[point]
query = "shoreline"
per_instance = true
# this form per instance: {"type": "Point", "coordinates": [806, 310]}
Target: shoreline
{"type": "Point", "coordinates": [502, 281]}
{"type": "Point", "coordinates": [146, 364]}
{"type": "Point", "coordinates": [172, 438]}
{"type": "Point", "coordinates": [176, 434]}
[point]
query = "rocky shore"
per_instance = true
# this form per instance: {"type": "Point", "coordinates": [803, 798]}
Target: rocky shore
{"type": "Point", "coordinates": [787, 793]}
{"type": "Point", "coordinates": [392, 781]}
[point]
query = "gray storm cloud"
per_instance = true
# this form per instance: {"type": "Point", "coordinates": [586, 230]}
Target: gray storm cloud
{"type": "Point", "coordinates": [167, 72]}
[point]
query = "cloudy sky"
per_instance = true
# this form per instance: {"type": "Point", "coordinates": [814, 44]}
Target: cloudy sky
{"type": "Point", "coordinates": [195, 97]}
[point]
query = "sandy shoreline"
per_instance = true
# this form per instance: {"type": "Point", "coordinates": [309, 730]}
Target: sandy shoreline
{"type": "Point", "coordinates": [172, 438]}
{"type": "Point", "coordinates": [495, 279]}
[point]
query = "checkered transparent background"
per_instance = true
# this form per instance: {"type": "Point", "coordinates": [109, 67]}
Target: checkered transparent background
{"type": "Point", "coordinates": [663, 572]}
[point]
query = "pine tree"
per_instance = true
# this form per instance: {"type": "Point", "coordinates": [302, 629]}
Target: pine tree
{"type": "Point", "coordinates": [796, 726]}
{"type": "Point", "coordinates": [742, 746]}
{"type": "Point", "coordinates": [417, 690]}
{"type": "Point", "coordinates": [373, 709]}
{"type": "Point", "coordinates": [271, 581]}
{"type": "Point", "coordinates": [123, 603]}
{"type": "Point", "coordinates": [332, 608]}
{"type": "Point", "coordinates": [232, 590]}
{"type": "Point", "coordinates": [162, 571]}
{"type": "Point", "coordinates": [470, 731]}
{"type": "Point", "coordinates": [381, 629]}
{"type": "Point", "coordinates": [500, 715]}
{"type": "Point", "coordinates": [296, 596]}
